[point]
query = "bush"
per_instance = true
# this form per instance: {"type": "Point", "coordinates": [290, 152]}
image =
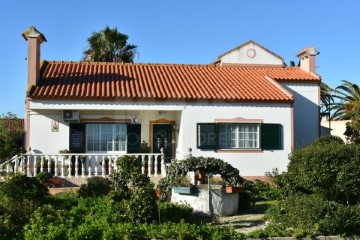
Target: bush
{"type": "Point", "coordinates": [300, 213]}
{"type": "Point", "coordinates": [309, 215]}
{"type": "Point", "coordinates": [19, 197]}
{"type": "Point", "coordinates": [329, 139]}
{"type": "Point", "coordinates": [174, 212]}
{"type": "Point", "coordinates": [332, 170]}
{"type": "Point", "coordinates": [20, 187]}
{"type": "Point", "coordinates": [133, 193]}
{"type": "Point", "coordinates": [96, 186]}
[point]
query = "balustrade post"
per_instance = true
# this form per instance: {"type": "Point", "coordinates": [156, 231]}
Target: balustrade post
{"type": "Point", "coordinates": [49, 164]}
{"type": "Point", "coordinates": [28, 168]}
{"type": "Point", "coordinates": [156, 165]}
{"type": "Point", "coordinates": [62, 166]}
{"type": "Point", "coordinates": [149, 164]}
{"type": "Point", "coordinates": [76, 166]}
{"type": "Point", "coordinates": [88, 159]}
{"type": "Point", "coordinates": [143, 164]}
{"type": "Point", "coordinates": [22, 164]}
{"type": "Point", "coordinates": [162, 162]}
{"type": "Point", "coordinates": [83, 165]}
{"type": "Point", "coordinates": [41, 164]}
{"type": "Point", "coordinates": [56, 165]}
{"type": "Point", "coordinates": [70, 165]}
{"type": "Point", "coordinates": [96, 165]}
{"type": "Point", "coordinates": [16, 166]}
{"type": "Point", "coordinates": [8, 167]}
{"type": "Point", "coordinates": [35, 168]}
{"type": "Point", "coordinates": [103, 166]}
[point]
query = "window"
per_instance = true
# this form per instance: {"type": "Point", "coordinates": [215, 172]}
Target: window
{"type": "Point", "coordinates": [237, 135]}
{"type": "Point", "coordinates": [106, 137]}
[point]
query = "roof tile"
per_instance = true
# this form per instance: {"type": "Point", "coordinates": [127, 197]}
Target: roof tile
{"type": "Point", "coordinates": [87, 81]}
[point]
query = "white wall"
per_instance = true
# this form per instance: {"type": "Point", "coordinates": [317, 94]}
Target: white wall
{"type": "Point", "coordinates": [306, 112]}
{"type": "Point", "coordinates": [249, 163]}
{"type": "Point", "coordinates": [337, 127]}
{"type": "Point", "coordinates": [240, 56]}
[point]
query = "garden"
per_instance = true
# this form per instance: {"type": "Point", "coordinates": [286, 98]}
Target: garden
{"type": "Point", "coordinates": [318, 195]}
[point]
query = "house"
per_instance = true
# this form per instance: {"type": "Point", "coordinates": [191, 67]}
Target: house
{"type": "Point", "coordinates": [246, 108]}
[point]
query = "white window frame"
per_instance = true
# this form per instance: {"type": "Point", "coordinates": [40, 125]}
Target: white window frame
{"type": "Point", "coordinates": [112, 142]}
{"type": "Point", "coordinates": [238, 136]}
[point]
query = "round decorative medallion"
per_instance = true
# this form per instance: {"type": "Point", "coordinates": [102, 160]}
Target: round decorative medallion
{"type": "Point", "coordinates": [251, 53]}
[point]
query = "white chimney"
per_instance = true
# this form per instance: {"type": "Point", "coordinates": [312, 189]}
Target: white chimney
{"type": "Point", "coordinates": [308, 59]}
{"type": "Point", "coordinates": [34, 39]}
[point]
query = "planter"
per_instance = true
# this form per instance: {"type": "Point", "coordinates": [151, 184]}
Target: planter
{"type": "Point", "coordinates": [182, 190]}
{"type": "Point", "coordinates": [238, 189]}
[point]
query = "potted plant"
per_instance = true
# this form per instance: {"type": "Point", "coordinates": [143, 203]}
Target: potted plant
{"type": "Point", "coordinates": [234, 189]}
{"type": "Point", "coordinates": [182, 185]}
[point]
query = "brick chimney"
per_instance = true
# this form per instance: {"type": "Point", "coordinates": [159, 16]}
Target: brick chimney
{"type": "Point", "coordinates": [34, 39]}
{"type": "Point", "coordinates": [308, 59]}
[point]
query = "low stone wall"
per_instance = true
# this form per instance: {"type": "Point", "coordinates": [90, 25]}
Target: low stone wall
{"type": "Point", "coordinates": [218, 202]}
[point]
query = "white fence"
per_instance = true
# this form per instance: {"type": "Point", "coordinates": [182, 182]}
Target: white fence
{"type": "Point", "coordinates": [80, 164]}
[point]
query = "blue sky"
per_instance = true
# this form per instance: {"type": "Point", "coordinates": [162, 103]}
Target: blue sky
{"type": "Point", "coordinates": [185, 31]}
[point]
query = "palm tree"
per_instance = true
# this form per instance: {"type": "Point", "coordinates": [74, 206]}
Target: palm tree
{"type": "Point", "coordinates": [109, 45]}
{"type": "Point", "coordinates": [349, 96]}
{"type": "Point", "coordinates": [327, 100]}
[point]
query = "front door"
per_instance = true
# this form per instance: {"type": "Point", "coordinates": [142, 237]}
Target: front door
{"type": "Point", "coordinates": [163, 138]}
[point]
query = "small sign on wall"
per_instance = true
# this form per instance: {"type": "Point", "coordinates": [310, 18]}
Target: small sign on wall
{"type": "Point", "coordinates": [54, 126]}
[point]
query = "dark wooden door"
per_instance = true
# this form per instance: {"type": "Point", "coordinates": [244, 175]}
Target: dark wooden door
{"type": "Point", "coordinates": [162, 138]}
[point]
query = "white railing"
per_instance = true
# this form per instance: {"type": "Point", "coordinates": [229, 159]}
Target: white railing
{"type": "Point", "coordinates": [80, 164]}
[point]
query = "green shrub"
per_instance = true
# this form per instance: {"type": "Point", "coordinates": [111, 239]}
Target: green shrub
{"type": "Point", "coordinates": [20, 187]}
{"type": "Point", "coordinates": [47, 223]}
{"type": "Point", "coordinates": [133, 193]}
{"type": "Point", "coordinates": [341, 219]}
{"type": "Point", "coordinates": [64, 201]}
{"type": "Point", "coordinates": [174, 212]}
{"type": "Point", "coordinates": [309, 215]}
{"type": "Point", "coordinates": [43, 176]}
{"type": "Point", "coordinates": [332, 170]}
{"type": "Point", "coordinates": [96, 186]}
{"type": "Point", "coordinates": [299, 212]}
{"type": "Point", "coordinates": [329, 139]}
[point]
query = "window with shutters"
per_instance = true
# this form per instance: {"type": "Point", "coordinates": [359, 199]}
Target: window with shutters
{"type": "Point", "coordinates": [266, 136]}
{"type": "Point", "coordinates": [238, 135]}
{"type": "Point", "coordinates": [106, 137]}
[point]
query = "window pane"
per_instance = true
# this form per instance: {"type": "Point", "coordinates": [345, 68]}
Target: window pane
{"type": "Point", "coordinates": [238, 135]}
{"type": "Point", "coordinates": [106, 137]}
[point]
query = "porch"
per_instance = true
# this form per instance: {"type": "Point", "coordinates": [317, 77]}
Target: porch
{"type": "Point", "coordinates": [81, 165]}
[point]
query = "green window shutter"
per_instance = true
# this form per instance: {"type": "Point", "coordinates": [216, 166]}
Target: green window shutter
{"type": "Point", "coordinates": [271, 136]}
{"type": "Point", "coordinates": [77, 138]}
{"type": "Point", "coordinates": [133, 138]}
{"type": "Point", "coordinates": [207, 135]}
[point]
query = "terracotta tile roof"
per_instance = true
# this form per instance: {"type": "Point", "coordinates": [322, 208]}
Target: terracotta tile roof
{"type": "Point", "coordinates": [87, 81]}
{"type": "Point", "coordinates": [12, 125]}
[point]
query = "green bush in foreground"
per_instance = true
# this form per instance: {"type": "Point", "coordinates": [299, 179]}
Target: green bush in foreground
{"type": "Point", "coordinates": [311, 215]}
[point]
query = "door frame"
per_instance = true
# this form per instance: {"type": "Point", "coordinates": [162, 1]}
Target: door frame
{"type": "Point", "coordinates": [162, 121]}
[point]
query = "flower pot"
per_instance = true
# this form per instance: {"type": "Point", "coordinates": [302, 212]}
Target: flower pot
{"type": "Point", "coordinates": [235, 189]}
{"type": "Point", "coordinates": [182, 190]}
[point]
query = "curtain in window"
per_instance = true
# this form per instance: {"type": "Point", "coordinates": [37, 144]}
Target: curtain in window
{"type": "Point", "coordinates": [106, 137]}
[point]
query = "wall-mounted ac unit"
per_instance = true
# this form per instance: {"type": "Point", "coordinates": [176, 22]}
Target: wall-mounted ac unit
{"type": "Point", "coordinates": [71, 115]}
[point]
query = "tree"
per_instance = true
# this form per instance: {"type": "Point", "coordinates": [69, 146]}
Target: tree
{"type": "Point", "coordinates": [109, 45]}
{"type": "Point", "coordinates": [349, 96]}
{"type": "Point", "coordinates": [11, 136]}
{"type": "Point", "coordinates": [326, 96]}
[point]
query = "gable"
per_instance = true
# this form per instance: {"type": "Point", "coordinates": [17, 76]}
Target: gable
{"type": "Point", "coordinates": [250, 53]}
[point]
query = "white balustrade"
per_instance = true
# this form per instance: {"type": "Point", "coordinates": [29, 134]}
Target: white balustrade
{"type": "Point", "coordinates": [84, 165]}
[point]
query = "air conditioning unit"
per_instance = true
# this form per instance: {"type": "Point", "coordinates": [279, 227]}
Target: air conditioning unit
{"type": "Point", "coordinates": [71, 115]}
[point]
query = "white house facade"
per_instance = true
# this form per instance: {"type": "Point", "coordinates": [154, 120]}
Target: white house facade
{"type": "Point", "coordinates": [246, 108]}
